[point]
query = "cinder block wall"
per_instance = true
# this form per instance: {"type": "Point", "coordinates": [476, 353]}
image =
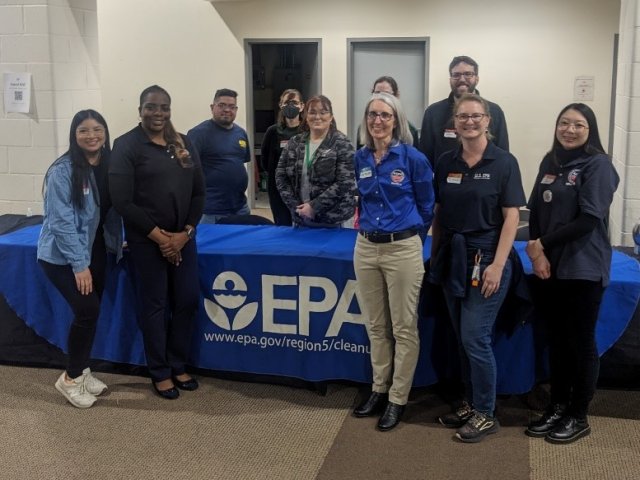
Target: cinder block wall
{"type": "Point", "coordinates": [625, 211]}
{"type": "Point", "coordinates": [57, 42]}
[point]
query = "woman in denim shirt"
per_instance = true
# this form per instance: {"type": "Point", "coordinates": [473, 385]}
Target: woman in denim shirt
{"type": "Point", "coordinates": [77, 229]}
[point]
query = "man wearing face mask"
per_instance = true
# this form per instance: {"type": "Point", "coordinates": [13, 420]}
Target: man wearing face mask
{"type": "Point", "coordinates": [438, 133]}
{"type": "Point", "coordinates": [275, 139]}
{"type": "Point", "coordinates": [224, 149]}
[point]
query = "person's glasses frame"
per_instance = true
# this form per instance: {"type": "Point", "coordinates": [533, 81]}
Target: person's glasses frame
{"type": "Point", "coordinates": [226, 106]}
{"type": "Point", "coordinates": [87, 132]}
{"type": "Point", "coordinates": [475, 117]}
{"type": "Point", "coordinates": [318, 113]}
{"type": "Point", "coordinates": [383, 116]}
{"type": "Point", "coordinates": [577, 126]}
{"type": "Point", "coordinates": [467, 75]}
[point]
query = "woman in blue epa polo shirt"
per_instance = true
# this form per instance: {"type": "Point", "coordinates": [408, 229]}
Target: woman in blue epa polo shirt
{"type": "Point", "coordinates": [571, 254]}
{"type": "Point", "coordinates": [396, 207]}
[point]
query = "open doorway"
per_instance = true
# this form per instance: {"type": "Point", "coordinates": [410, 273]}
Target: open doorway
{"type": "Point", "coordinates": [272, 66]}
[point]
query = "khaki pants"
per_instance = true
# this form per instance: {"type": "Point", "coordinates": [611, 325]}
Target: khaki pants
{"type": "Point", "coordinates": [389, 278]}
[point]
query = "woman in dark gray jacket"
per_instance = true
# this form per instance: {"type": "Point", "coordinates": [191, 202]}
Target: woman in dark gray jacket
{"type": "Point", "coordinates": [315, 175]}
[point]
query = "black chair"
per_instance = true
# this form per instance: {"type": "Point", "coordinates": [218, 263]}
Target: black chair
{"type": "Point", "coordinates": [244, 220]}
{"type": "Point", "coordinates": [12, 222]}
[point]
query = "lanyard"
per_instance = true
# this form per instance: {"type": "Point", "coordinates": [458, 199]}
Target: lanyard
{"type": "Point", "coordinates": [307, 155]}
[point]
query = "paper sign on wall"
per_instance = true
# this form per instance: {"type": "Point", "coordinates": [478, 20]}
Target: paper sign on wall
{"type": "Point", "coordinates": [17, 92]}
{"type": "Point", "coordinates": [583, 88]}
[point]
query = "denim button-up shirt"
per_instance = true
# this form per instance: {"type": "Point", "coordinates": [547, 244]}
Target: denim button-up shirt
{"type": "Point", "coordinates": [68, 232]}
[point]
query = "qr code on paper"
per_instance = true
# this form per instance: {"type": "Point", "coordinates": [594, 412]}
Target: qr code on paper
{"type": "Point", "coordinates": [17, 96]}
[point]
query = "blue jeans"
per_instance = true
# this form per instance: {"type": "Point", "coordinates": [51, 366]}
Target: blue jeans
{"type": "Point", "coordinates": [474, 319]}
{"type": "Point", "coordinates": [213, 218]}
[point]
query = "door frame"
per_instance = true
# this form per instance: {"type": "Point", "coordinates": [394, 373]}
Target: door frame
{"type": "Point", "coordinates": [351, 42]}
{"type": "Point", "coordinates": [248, 68]}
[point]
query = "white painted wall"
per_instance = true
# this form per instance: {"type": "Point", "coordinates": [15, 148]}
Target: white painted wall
{"type": "Point", "coordinates": [529, 54]}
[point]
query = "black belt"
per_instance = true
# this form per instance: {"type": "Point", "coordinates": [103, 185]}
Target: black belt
{"type": "Point", "coordinates": [377, 237]}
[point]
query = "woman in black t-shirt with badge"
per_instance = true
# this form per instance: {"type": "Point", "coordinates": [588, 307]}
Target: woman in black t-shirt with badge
{"type": "Point", "coordinates": [478, 194]}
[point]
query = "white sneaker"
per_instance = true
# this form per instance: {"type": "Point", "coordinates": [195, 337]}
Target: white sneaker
{"type": "Point", "coordinates": [75, 392]}
{"type": "Point", "coordinates": [92, 384]}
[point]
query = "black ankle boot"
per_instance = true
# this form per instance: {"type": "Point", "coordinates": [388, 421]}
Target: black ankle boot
{"type": "Point", "coordinates": [391, 416]}
{"type": "Point", "coordinates": [551, 417]}
{"type": "Point", "coordinates": [568, 430]}
{"type": "Point", "coordinates": [373, 405]}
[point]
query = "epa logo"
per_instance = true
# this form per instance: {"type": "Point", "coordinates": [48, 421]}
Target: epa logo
{"type": "Point", "coordinates": [230, 293]}
{"type": "Point", "coordinates": [308, 299]}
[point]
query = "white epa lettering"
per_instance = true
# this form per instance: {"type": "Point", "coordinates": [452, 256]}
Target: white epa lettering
{"type": "Point", "coordinates": [307, 306]}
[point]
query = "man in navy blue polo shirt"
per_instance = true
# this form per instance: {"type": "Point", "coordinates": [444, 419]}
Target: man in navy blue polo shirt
{"type": "Point", "coordinates": [438, 133]}
{"type": "Point", "coordinates": [224, 149]}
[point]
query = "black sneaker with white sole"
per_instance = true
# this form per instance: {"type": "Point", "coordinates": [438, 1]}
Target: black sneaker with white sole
{"type": "Point", "coordinates": [477, 427]}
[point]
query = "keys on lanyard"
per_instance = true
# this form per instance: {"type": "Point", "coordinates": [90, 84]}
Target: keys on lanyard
{"type": "Point", "coordinates": [475, 273]}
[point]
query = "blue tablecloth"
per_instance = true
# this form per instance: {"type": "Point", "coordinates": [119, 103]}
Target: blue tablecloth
{"type": "Point", "coordinates": [282, 301]}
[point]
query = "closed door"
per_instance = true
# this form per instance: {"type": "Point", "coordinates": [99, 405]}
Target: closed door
{"type": "Point", "coordinates": [403, 59]}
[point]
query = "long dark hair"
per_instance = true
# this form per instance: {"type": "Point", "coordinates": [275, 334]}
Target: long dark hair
{"type": "Point", "coordinates": [80, 167]}
{"type": "Point", "coordinates": [170, 135]}
{"type": "Point", "coordinates": [593, 145]}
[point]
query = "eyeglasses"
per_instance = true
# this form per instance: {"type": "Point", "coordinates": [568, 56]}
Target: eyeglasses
{"type": "Point", "coordinates": [476, 117]}
{"type": "Point", "coordinates": [87, 132]}
{"type": "Point", "coordinates": [154, 107]}
{"type": "Point", "coordinates": [318, 113]}
{"type": "Point", "coordinates": [384, 116]}
{"type": "Point", "coordinates": [467, 75]}
{"type": "Point", "coordinates": [295, 103]}
{"type": "Point", "coordinates": [227, 106]}
{"type": "Point", "coordinates": [578, 127]}
{"type": "Point", "coordinates": [388, 92]}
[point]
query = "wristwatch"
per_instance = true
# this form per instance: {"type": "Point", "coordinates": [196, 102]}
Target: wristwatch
{"type": "Point", "coordinates": [190, 231]}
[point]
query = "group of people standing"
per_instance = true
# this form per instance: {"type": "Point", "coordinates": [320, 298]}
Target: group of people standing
{"type": "Point", "coordinates": [152, 181]}
{"type": "Point", "coordinates": [458, 179]}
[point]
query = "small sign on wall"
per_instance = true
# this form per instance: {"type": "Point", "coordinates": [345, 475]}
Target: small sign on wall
{"type": "Point", "coordinates": [17, 92]}
{"type": "Point", "coordinates": [583, 87]}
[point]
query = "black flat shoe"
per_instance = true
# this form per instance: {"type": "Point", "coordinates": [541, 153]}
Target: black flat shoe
{"type": "Point", "coordinates": [545, 424]}
{"type": "Point", "coordinates": [391, 417]}
{"type": "Point", "coordinates": [168, 394]}
{"type": "Point", "coordinates": [568, 430]}
{"type": "Point", "coordinates": [372, 406]}
{"type": "Point", "coordinates": [190, 385]}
